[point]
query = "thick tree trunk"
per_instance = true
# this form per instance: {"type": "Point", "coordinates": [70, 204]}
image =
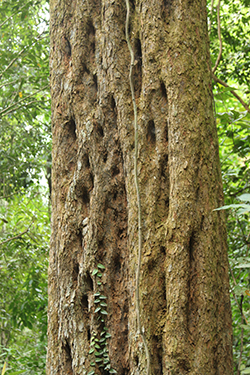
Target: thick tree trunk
{"type": "Point", "coordinates": [184, 307]}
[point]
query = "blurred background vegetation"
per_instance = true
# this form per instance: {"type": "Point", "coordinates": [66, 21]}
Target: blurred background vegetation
{"type": "Point", "coordinates": [25, 164]}
{"type": "Point", "coordinates": [25, 173]}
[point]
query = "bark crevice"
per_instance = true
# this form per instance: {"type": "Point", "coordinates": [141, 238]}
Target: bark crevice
{"type": "Point", "coordinates": [67, 358]}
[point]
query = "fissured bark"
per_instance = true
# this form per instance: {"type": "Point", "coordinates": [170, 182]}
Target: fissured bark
{"type": "Point", "coordinates": [185, 307]}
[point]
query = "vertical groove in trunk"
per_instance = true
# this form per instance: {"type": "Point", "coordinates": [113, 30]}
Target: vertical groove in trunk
{"type": "Point", "coordinates": [185, 307]}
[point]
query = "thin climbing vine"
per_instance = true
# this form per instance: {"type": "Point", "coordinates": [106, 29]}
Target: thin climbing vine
{"type": "Point", "coordinates": [137, 290]}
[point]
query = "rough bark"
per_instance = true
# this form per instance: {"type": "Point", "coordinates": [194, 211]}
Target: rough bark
{"type": "Point", "coordinates": [184, 300]}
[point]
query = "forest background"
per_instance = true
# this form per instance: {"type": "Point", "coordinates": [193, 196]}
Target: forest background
{"type": "Point", "coordinates": [25, 173]}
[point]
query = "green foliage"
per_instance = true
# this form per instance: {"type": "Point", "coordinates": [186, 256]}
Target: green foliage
{"type": "Point", "coordinates": [24, 205]}
{"type": "Point", "coordinates": [23, 279]}
{"type": "Point", "coordinates": [235, 28]}
{"type": "Point", "coordinates": [24, 104]}
{"type": "Point", "coordinates": [233, 129]}
{"type": "Point", "coordinates": [242, 208]}
{"type": "Point", "coordinates": [24, 59]}
{"type": "Point", "coordinates": [233, 123]}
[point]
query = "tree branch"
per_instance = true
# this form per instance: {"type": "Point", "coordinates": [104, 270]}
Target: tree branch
{"type": "Point", "coordinates": [9, 83]}
{"type": "Point", "coordinates": [232, 91]}
{"type": "Point", "coordinates": [10, 195]}
{"type": "Point", "coordinates": [7, 110]}
{"type": "Point", "coordinates": [238, 192]}
{"type": "Point", "coordinates": [23, 50]}
{"type": "Point", "coordinates": [15, 237]}
{"type": "Point", "coordinates": [235, 298]}
{"type": "Point", "coordinates": [13, 14]}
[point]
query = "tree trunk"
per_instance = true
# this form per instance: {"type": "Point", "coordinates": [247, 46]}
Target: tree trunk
{"type": "Point", "coordinates": [168, 311]}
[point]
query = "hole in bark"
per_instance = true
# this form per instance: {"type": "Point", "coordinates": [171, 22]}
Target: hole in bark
{"type": "Point", "coordinates": [79, 237]}
{"type": "Point", "coordinates": [167, 3]}
{"type": "Point", "coordinates": [89, 334]}
{"type": "Point", "coordinates": [105, 156]}
{"type": "Point", "coordinates": [185, 366]}
{"type": "Point", "coordinates": [157, 344]}
{"type": "Point", "coordinates": [117, 263]}
{"type": "Point", "coordinates": [90, 28]}
{"type": "Point", "coordinates": [85, 161]}
{"type": "Point", "coordinates": [164, 289]}
{"type": "Point", "coordinates": [138, 51]}
{"type": "Point", "coordinates": [91, 34]}
{"type": "Point", "coordinates": [151, 265]}
{"type": "Point", "coordinates": [88, 282]}
{"type": "Point", "coordinates": [100, 130]}
{"type": "Point", "coordinates": [72, 129]}
{"type": "Point", "coordinates": [95, 82]}
{"type": "Point", "coordinates": [137, 74]}
{"type": "Point", "coordinates": [68, 359]}
{"type": "Point", "coordinates": [84, 302]}
{"type": "Point", "coordinates": [129, 26]}
{"type": "Point", "coordinates": [163, 250]}
{"type": "Point", "coordinates": [166, 6]}
{"type": "Point", "coordinates": [100, 245]}
{"type": "Point", "coordinates": [164, 166]}
{"type": "Point", "coordinates": [201, 224]}
{"type": "Point", "coordinates": [67, 349]}
{"type": "Point", "coordinates": [167, 202]}
{"type": "Point", "coordinates": [113, 105]}
{"type": "Point", "coordinates": [115, 170]}
{"type": "Point", "coordinates": [92, 47]}
{"type": "Point", "coordinates": [191, 248]}
{"type": "Point", "coordinates": [151, 132]}
{"type": "Point", "coordinates": [121, 233]}
{"type": "Point", "coordinates": [163, 90]}
{"type": "Point", "coordinates": [67, 47]}
{"type": "Point", "coordinates": [132, 3]}
{"type": "Point", "coordinates": [84, 185]}
{"type": "Point", "coordinates": [75, 272]}
{"type": "Point", "coordinates": [85, 195]}
{"type": "Point", "coordinates": [166, 133]}
{"type": "Point", "coordinates": [85, 69]}
{"type": "Point", "coordinates": [113, 115]}
{"type": "Point", "coordinates": [136, 359]}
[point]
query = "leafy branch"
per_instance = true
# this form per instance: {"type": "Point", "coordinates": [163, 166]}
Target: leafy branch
{"type": "Point", "coordinates": [10, 108]}
{"type": "Point", "coordinates": [40, 37]}
{"type": "Point", "coordinates": [15, 237]}
{"type": "Point", "coordinates": [10, 83]}
{"type": "Point", "coordinates": [242, 208]}
{"type": "Point", "coordinates": [13, 14]}
{"type": "Point", "coordinates": [245, 105]}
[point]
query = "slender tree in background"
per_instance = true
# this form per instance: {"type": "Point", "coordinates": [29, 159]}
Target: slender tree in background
{"type": "Point", "coordinates": [138, 276]}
